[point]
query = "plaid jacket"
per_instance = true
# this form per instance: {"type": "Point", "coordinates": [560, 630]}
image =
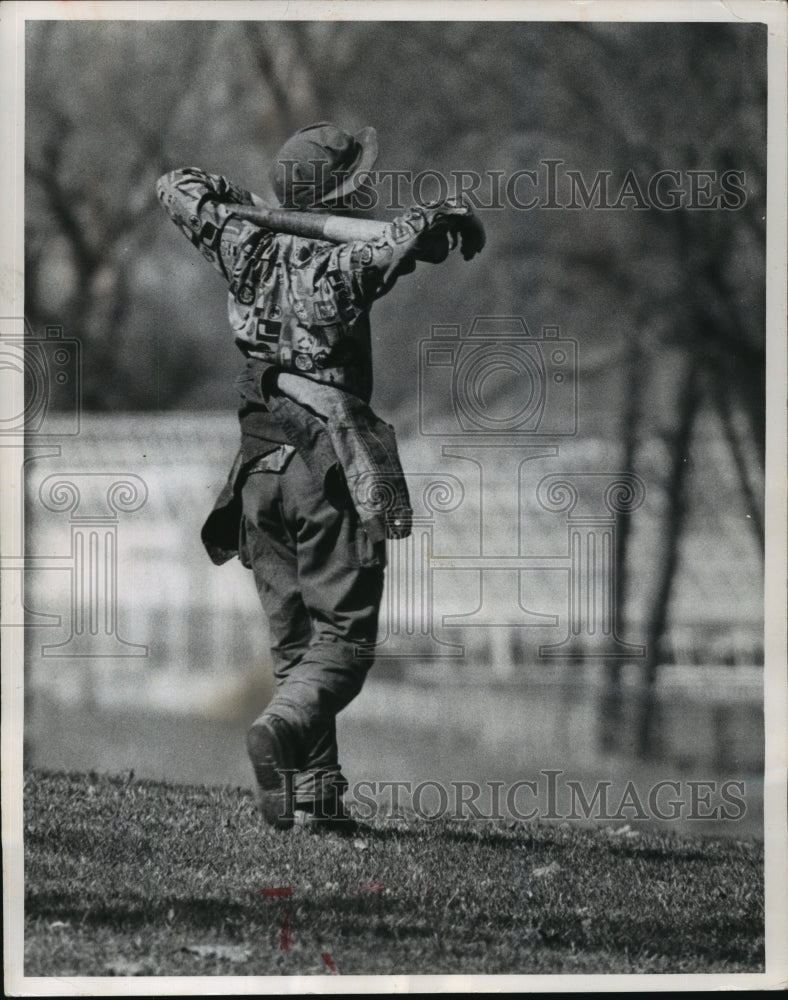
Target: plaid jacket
{"type": "Point", "coordinates": [301, 306]}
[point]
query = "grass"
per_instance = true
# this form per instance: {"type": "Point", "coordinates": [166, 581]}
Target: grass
{"type": "Point", "coordinates": [131, 877]}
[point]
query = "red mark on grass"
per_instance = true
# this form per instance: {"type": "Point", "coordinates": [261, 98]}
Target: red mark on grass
{"type": "Point", "coordinates": [332, 965]}
{"type": "Point", "coordinates": [286, 936]}
{"type": "Point", "coordinates": [280, 890]}
{"type": "Point", "coordinates": [373, 886]}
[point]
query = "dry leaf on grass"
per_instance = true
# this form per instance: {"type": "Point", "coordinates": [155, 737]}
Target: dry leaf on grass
{"type": "Point", "coordinates": [550, 869]}
{"type": "Point", "coordinates": [228, 952]}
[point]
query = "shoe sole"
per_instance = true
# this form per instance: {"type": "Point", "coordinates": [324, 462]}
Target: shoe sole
{"type": "Point", "coordinates": [274, 797]}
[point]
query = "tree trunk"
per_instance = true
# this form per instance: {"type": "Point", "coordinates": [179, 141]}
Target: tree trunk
{"type": "Point", "coordinates": [611, 721]}
{"type": "Point", "coordinates": [754, 504]}
{"type": "Point", "coordinates": [672, 530]}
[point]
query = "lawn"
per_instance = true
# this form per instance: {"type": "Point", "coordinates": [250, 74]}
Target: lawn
{"type": "Point", "coordinates": [127, 877]}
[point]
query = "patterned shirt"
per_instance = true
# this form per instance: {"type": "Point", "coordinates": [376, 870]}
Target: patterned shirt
{"type": "Point", "coordinates": [300, 304]}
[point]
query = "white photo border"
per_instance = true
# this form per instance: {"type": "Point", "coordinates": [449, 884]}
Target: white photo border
{"type": "Point", "coordinates": [774, 13]}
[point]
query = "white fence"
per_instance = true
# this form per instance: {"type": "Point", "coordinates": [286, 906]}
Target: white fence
{"type": "Point", "coordinates": [122, 599]}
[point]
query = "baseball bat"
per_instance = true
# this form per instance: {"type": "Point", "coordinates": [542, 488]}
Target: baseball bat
{"type": "Point", "coordinates": [312, 225]}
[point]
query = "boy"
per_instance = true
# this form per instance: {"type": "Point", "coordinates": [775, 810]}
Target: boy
{"type": "Point", "coordinates": [303, 507]}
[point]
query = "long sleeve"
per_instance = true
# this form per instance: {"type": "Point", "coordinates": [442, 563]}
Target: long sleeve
{"type": "Point", "coordinates": [370, 269]}
{"type": "Point", "coordinates": [201, 205]}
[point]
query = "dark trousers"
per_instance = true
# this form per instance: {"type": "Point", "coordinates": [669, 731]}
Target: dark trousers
{"type": "Point", "coordinates": [320, 582]}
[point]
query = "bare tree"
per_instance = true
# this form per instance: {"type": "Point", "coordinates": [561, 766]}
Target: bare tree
{"type": "Point", "coordinates": [95, 202]}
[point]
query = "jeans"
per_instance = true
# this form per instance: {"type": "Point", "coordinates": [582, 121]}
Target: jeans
{"type": "Point", "coordinates": [320, 581]}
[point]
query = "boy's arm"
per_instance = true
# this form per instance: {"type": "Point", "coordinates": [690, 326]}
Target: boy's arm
{"type": "Point", "coordinates": [370, 269]}
{"type": "Point", "coordinates": [201, 205]}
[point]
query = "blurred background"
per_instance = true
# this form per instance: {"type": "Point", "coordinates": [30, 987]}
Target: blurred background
{"type": "Point", "coordinates": [666, 308]}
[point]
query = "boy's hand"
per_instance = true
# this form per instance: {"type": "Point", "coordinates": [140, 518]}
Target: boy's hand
{"type": "Point", "coordinates": [433, 245]}
{"type": "Point", "coordinates": [456, 219]}
{"type": "Point", "coordinates": [437, 229]}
